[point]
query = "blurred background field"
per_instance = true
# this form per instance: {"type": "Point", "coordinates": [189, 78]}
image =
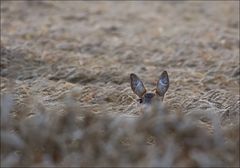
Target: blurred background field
{"type": "Point", "coordinates": [66, 99]}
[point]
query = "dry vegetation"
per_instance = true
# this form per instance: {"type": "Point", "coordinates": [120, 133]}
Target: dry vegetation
{"type": "Point", "coordinates": [65, 93]}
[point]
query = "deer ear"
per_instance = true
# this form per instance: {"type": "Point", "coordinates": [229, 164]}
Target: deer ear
{"type": "Point", "coordinates": [137, 85]}
{"type": "Point", "coordinates": [162, 84]}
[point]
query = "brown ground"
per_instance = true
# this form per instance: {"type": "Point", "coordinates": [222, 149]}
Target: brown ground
{"type": "Point", "coordinates": [86, 50]}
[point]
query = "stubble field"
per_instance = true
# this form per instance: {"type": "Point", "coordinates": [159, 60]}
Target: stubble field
{"type": "Point", "coordinates": [66, 98]}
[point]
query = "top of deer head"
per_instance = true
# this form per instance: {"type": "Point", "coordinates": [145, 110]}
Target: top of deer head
{"type": "Point", "coordinates": [147, 97]}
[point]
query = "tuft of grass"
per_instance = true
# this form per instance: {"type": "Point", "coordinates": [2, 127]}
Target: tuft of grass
{"type": "Point", "coordinates": [156, 138]}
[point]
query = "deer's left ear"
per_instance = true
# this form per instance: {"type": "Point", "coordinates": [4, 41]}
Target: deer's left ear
{"type": "Point", "coordinates": [162, 84]}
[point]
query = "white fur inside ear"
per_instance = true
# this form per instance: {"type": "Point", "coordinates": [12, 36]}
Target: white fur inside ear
{"type": "Point", "coordinates": [162, 82]}
{"type": "Point", "coordinates": [137, 85]}
{"type": "Point", "coordinates": [162, 88]}
{"type": "Point", "coordinates": [139, 88]}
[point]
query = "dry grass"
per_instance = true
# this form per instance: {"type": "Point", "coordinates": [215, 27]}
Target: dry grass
{"type": "Point", "coordinates": [65, 93]}
{"type": "Point", "coordinates": [156, 138]}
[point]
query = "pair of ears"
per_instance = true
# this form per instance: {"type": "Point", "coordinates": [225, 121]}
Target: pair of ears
{"type": "Point", "coordinates": [139, 89]}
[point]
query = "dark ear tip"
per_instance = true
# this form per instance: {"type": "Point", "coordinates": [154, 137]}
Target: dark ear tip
{"type": "Point", "coordinates": [164, 77]}
{"type": "Point", "coordinates": [132, 75]}
{"type": "Point", "coordinates": [165, 73]}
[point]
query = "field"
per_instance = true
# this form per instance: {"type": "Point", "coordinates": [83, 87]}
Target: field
{"type": "Point", "coordinates": [66, 98]}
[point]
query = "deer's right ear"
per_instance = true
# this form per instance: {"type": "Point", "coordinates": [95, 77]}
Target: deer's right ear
{"type": "Point", "coordinates": [162, 84]}
{"type": "Point", "coordinates": [137, 85]}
